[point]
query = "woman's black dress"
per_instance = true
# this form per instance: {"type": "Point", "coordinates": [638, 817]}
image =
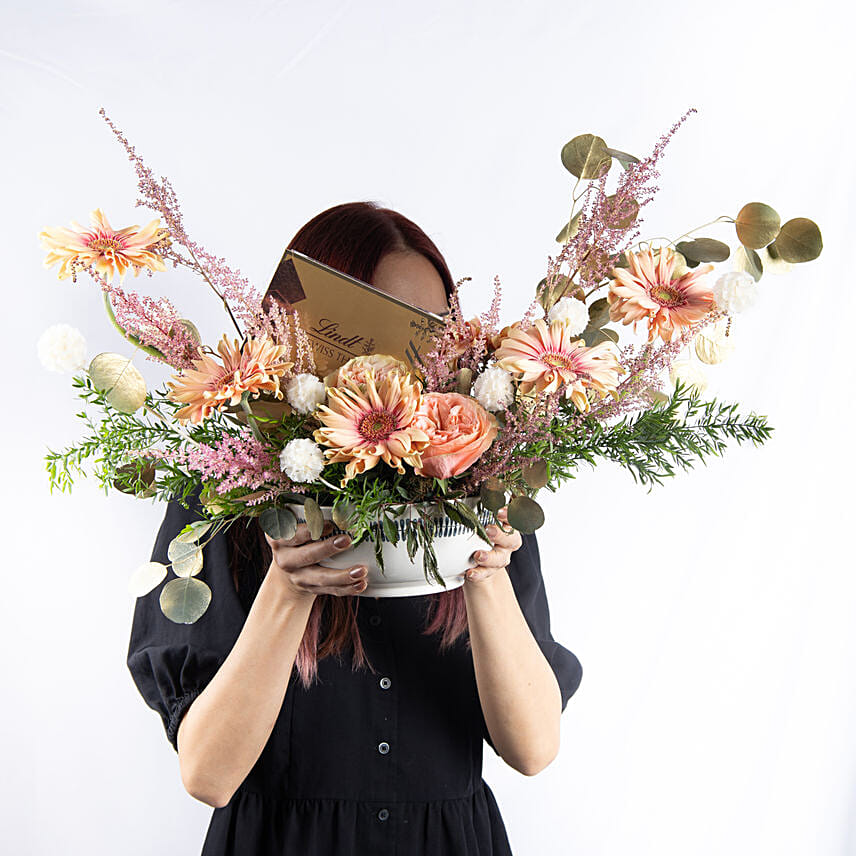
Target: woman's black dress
{"type": "Point", "coordinates": [362, 763]}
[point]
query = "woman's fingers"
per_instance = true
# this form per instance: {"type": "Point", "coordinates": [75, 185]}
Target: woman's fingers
{"type": "Point", "coordinates": [310, 553]}
{"type": "Point", "coordinates": [321, 580]}
{"type": "Point", "coordinates": [301, 536]}
{"type": "Point", "coordinates": [498, 557]}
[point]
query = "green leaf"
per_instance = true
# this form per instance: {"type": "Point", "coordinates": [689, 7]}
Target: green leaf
{"type": "Point", "coordinates": [184, 600]}
{"type": "Point", "coordinates": [389, 529]}
{"type": "Point", "coordinates": [570, 228]}
{"type": "Point", "coordinates": [279, 523]}
{"type": "Point", "coordinates": [749, 261]}
{"type": "Point", "coordinates": [599, 313]}
{"type": "Point", "coordinates": [120, 381]}
{"type": "Point", "coordinates": [535, 474]}
{"type": "Point", "coordinates": [492, 494]}
{"type": "Point", "coordinates": [586, 157]}
{"type": "Point", "coordinates": [464, 381]}
{"type": "Point", "coordinates": [524, 514]}
{"type": "Point", "coordinates": [622, 217]}
{"type": "Point", "coordinates": [799, 240]}
{"type": "Point", "coordinates": [757, 224]}
{"type": "Point", "coordinates": [343, 513]}
{"type": "Point", "coordinates": [623, 158]}
{"type": "Point", "coordinates": [314, 518]}
{"type": "Point", "coordinates": [703, 250]}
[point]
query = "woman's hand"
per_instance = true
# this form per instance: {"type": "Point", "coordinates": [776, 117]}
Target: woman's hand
{"type": "Point", "coordinates": [504, 544]}
{"type": "Point", "coordinates": [297, 560]}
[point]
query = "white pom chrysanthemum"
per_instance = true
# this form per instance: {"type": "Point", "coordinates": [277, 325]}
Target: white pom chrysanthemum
{"type": "Point", "coordinates": [62, 348]}
{"type": "Point", "coordinates": [301, 460]}
{"type": "Point", "coordinates": [735, 291]}
{"type": "Point", "coordinates": [305, 392]}
{"type": "Point", "coordinates": [573, 312]}
{"type": "Point", "coordinates": [493, 388]}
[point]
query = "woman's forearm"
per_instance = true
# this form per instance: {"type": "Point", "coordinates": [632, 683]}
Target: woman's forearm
{"type": "Point", "coordinates": [520, 696]}
{"type": "Point", "coordinates": [225, 729]}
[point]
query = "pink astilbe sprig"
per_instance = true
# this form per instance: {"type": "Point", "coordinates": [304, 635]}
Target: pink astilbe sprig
{"type": "Point", "coordinates": [155, 322]}
{"type": "Point", "coordinates": [591, 253]}
{"type": "Point", "coordinates": [230, 286]}
{"type": "Point", "coordinates": [523, 425]}
{"type": "Point", "coordinates": [488, 327]}
{"type": "Point", "coordinates": [236, 461]}
{"type": "Point", "coordinates": [438, 370]}
{"type": "Point", "coordinates": [646, 366]}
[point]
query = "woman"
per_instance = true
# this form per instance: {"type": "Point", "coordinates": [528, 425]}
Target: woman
{"type": "Point", "coordinates": [300, 751]}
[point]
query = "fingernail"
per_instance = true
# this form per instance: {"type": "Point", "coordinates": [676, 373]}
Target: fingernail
{"type": "Point", "coordinates": [341, 541]}
{"type": "Point", "coordinates": [357, 573]}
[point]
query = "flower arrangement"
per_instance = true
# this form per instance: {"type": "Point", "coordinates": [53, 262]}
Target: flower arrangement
{"type": "Point", "coordinates": [494, 414]}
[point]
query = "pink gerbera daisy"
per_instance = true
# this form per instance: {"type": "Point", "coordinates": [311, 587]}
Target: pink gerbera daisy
{"type": "Point", "coordinates": [650, 292]}
{"type": "Point", "coordinates": [372, 421]}
{"type": "Point", "coordinates": [546, 359]}
{"type": "Point", "coordinates": [106, 249]}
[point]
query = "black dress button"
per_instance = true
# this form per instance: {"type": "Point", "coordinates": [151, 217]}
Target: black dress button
{"type": "Point", "coordinates": [385, 683]}
{"type": "Point", "coordinates": [383, 748]}
{"type": "Point", "coordinates": [374, 620]}
{"type": "Point", "coordinates": [383, 814]}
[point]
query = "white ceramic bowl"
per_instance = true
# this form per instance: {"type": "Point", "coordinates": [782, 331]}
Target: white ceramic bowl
{"type": "Point", "coordinates": [454, 546]}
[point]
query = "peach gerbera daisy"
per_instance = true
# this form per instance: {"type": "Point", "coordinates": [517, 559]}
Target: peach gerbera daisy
{"type": "Point", "coordinates": [103, 247]}
{"type": "Point", "coordinates": [372, 421]}
{"type": "Point", "coordinates": [649, 291]}
{"type": "Point", "coordinates": [546, 358]}
{"type": "Point", "coordinates": [210, 385]}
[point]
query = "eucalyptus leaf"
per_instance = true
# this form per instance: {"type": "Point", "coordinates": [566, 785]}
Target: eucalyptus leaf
{"type": "Point", "coordinates": [279, 523]}
{"type": "Point", "coordinates": [623, 158]}
{"type": "Point", "coordinates": [535, 474]}
{"type": "Point", "coordinates": [146, 577]}
{"type": "Point", "coordinates": [184, 601]}
{"type": "Point", "coordinates": [621, 217]}
{"type": "Point", "coordinates": [314, 518]}
{"type": "Point", "coordinates": [342, 514]}
{"type": "Point", "coordinates": [186, 558]}
{"type": "Point", "coordinates": [585, 156]}
{"type": "Point", "coordinates": [194, 531]}
{"type": "Point", "coordinates": [749, 261]}
{"type": "Point", "coordinates": [525, 515]}
{"type": "Point", "coordinates": [492, 497]}
{"type": "Point", "coordinates": [757, 224]}
{"type": "Point", "coordinates": [570, 228]}
{"type": "Point", "coordinates": [191, 329]}
{"type": "Point", "coordinates": [799, 240]}
{"type": "Point", "coordinates": [595, 335]}
{"type": "Point", "coordinates": [464, 380]}
{"type": "Point", "coordinates": [703, 250]}
{"type": "Point", "coordinates": [599, 312]}
{"type": "Point", "coordinates": [119, 379]}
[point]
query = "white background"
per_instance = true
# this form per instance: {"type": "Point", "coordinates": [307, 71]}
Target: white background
{"type": "Point", "coordinates": [713, 616]}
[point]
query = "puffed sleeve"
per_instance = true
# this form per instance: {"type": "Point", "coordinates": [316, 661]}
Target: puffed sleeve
{"type": "Point", "coordinates": [527, 581]}
{"type": "Point", "coordinates": [172, 663]}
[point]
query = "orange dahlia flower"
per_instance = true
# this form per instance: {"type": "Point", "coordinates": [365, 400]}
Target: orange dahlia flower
{"type": "Point", "coordinates": [366, 423]}
{"type": "Point", "coordinates": [103, 247]}
{"type": "Point", "coordinates": [545, 359]}
{"type": "Point", "coordinates": [649, 291]}
{"type": "Point", "coordinates": [210, 385]}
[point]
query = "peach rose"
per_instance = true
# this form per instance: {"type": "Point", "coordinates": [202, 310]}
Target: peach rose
{"type": "Point", "coordinates": [459, 431]}
{"type": "Point", "coordinates": [356, 368]}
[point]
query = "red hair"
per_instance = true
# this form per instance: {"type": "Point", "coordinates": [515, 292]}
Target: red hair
{"type": "Point", "coordinates": [352, 238]}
